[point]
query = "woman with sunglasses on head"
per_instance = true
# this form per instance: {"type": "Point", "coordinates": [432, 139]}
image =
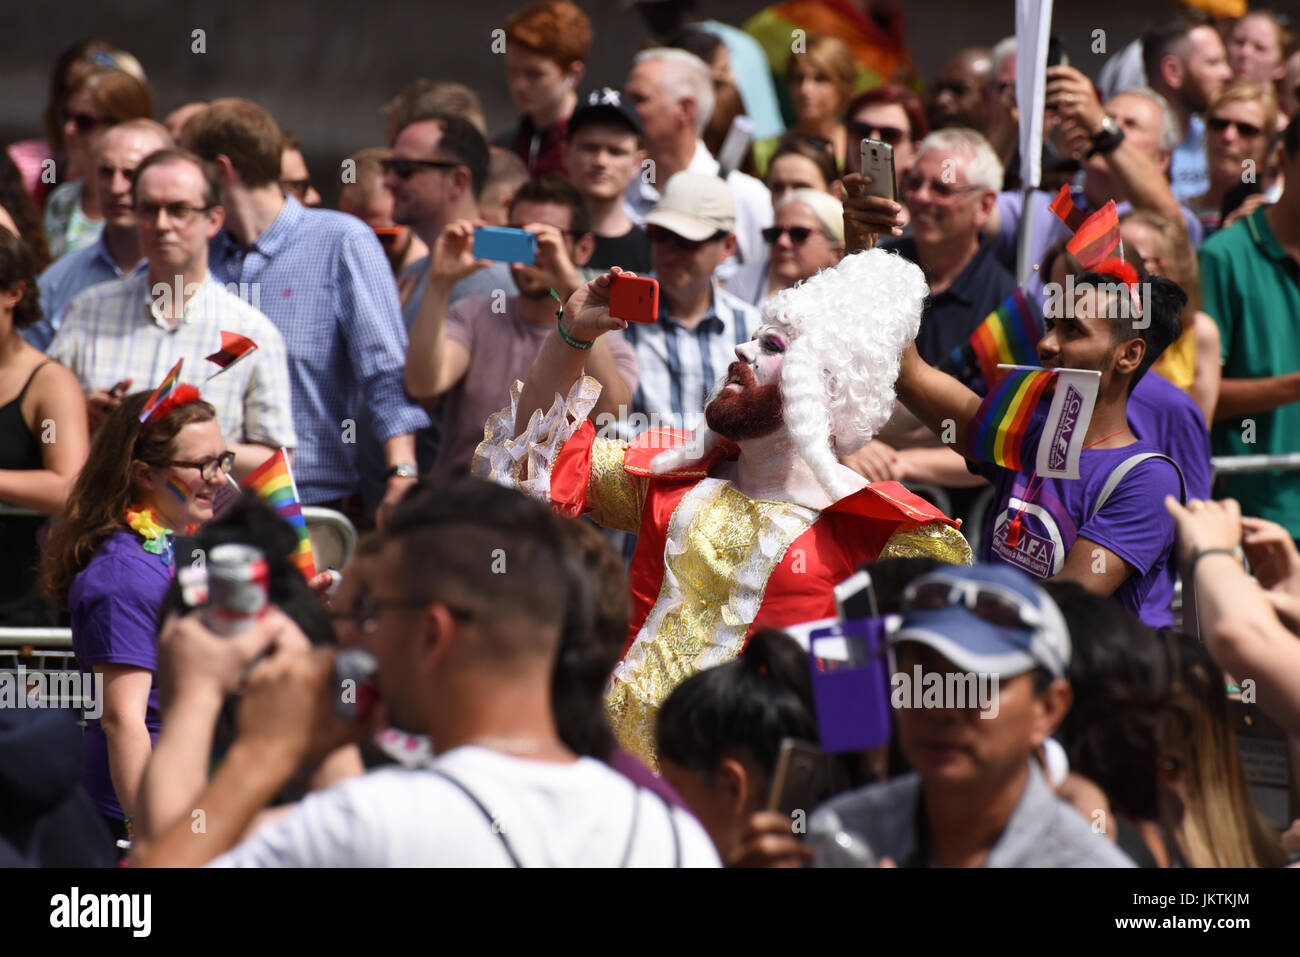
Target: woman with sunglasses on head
{"type": "Point", "coordinates": [100, 98]}
{"type": "Point", "coordinates": [110, 563]}
{"type": "Point", "coordinates": [1239, 126]}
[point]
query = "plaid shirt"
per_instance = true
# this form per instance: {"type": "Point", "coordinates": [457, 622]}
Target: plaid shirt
{"type": "Point", "coordinates": [324, 281]}
{"type": "Point", "coordinates": [680, 366]}
{"type": "Point", "coordinates": [61, 282]}
{"type": "Point", "coordinates": [112, 332]}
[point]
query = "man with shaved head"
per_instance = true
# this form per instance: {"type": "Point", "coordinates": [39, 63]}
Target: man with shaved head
{"type": "Point", "coordinates": [957, 94]}
{"type": "Point", "coordinates": [117, 251]}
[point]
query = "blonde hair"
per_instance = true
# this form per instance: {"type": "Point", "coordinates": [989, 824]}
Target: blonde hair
{"type": "Point", "coordinates": [1248, 90]}
{"type": "Point", "coordinates": [828, 210]}
{"type": "Point", "coordinates": [831, 56]}
{"type": "Point", "coordinates": [1182, 265]}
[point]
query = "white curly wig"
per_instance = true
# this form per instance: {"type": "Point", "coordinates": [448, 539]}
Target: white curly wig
{"type": "Point", "coordinates": [847, 327]}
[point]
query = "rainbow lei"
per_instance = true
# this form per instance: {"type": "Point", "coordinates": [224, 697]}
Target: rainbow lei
{"type": "Point", "coordinates": [157, 540]}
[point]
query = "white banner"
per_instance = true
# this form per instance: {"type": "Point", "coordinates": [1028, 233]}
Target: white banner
{"type": "Point", "coordinates": [1033, 27]}
{"type": "Point", "coordinates": [1073, 397]}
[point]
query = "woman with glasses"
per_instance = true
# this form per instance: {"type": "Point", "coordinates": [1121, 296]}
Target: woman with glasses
{"type": "Point", "coordinates": [807, 236]}
{"type": "Point", "coordinates": [1238, 129]}
{"type": "Point", "coordinates": [101, 98]}
{"type": "Point", "coordinates": [41, 401]}
{"type": "Point", "coordinates": [110, 563]}
{"type": "Point", "coordinates": [892, 114]}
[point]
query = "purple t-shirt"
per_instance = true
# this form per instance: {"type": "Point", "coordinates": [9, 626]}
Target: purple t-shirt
{"type": "Point", "coordinates": [1161, 413]}
{"type": "Point", "coordinates": [502, 348]}
{"type": "Point", "coordinates": [1133, 523]}
{"type": "Point", "coordinates": [114, 606]}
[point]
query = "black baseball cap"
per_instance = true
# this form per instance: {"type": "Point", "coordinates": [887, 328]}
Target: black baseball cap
{"type": "Point", "coordinates": [605, 105]}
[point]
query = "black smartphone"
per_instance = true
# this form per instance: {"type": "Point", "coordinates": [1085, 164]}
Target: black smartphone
{"type": "Point", "coordinates": [797, 781]}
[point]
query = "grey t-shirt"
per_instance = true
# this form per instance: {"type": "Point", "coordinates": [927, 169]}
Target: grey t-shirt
{"type": "Point", "coordinates": [1043, 830]}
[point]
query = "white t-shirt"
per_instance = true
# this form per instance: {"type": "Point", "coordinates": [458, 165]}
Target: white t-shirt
{"type": "Point", "coordinates": [582, 814]}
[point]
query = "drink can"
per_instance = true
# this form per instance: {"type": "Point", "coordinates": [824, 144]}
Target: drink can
{"type": "Point", "coordinates": [238, 581]}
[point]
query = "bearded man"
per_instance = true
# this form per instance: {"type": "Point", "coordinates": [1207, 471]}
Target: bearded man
{"type": "Point", "coordinates": [751, 521]}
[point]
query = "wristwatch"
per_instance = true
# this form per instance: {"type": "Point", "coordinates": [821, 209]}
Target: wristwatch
{"type": "Point", "coordinates": [402, 470]}
{"type": "Point", "coordinates": [1106, 139]}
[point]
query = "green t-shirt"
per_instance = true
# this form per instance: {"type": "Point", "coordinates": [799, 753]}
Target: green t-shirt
{"type": "Point", "coordinates": [1249, 285]}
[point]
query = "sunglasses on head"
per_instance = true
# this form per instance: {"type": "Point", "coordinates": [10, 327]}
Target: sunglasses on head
{"type": "Point", "coordinates": [869, 131]}
{"type": "Point", "coordinates": [84, 122]}
{"type": "Point", "coordinates": [995, 605]}
{"type": "Point", "coordinates": [658, 234]}
{"type": "Point", "coordinates": [798, 234]}
{"type": "Point", "coordinates": [1220, 125]}
{"type": "Point", "coordinates": [406, 168]}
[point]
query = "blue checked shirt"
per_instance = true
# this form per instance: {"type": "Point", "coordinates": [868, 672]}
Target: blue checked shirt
{"type": "Point", "coordinates": [680, 366]}
{"type": "Point", "coordinates": [323, 280]}
{"type": "Point", "coordinates": [63, 280]}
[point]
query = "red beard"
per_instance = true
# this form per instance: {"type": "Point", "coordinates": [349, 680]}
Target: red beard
{"type": "Point", "coordinates": [751, 413]}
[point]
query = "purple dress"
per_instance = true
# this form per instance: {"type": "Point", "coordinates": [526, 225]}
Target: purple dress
{"type": "Point", "coordinates": [114, 606]}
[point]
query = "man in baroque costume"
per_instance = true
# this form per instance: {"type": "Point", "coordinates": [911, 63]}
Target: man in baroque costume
{"type": "Point", "coordinates": [750, 521]}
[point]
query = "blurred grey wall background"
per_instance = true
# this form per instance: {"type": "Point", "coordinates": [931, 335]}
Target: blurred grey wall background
{"type": "Point", "coordinates": [323, 67]}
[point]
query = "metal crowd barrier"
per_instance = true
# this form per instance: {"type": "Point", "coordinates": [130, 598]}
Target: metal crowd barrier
{"type": "Point", "coordinates": [335, 533]}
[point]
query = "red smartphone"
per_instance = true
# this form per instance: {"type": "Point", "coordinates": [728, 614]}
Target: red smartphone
{"type": "Point", "coordinates": [634, 298]}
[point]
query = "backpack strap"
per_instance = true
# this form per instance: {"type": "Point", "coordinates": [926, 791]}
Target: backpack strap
{"type": "Point", "coordinates": [1118, 474]}
{"type": "Point", "coordinates": [496, 827]}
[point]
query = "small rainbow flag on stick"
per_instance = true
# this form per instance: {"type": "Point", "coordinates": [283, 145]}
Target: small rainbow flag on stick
{"type": "Point", "coordinates": [273, 483]}
{"type": "Point", "coordinates": [1009, 336]}
{"type": "Point", "coordinates": [165, 388]}
{"type": "Point", "coordinates": [1066, 211]}
{"type": "Point", "coordinates": [1095, 236]}
{"type": "Point", "coordinates": [233, 348]}
{"type": "Point", "coordinates": [998, 431]}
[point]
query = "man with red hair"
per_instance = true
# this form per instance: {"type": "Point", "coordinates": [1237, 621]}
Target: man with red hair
{"type": "Point", "coordinates": [546, 53]}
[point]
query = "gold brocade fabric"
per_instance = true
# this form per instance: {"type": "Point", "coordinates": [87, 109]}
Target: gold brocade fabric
{"type": "Point", "coordinates": [931, 540]}
{"type": "Point", "coordinates": [614, 498]}
{"type": "Point", "coordinates": [722, 548]}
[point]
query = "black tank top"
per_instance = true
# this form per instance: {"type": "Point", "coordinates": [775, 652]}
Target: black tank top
{"type": "Point", "coordinates": [21, 603]}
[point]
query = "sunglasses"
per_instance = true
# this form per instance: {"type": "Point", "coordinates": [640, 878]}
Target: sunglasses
{"type": "Point", "coordinates": [406, 168]}
{"type": "Point", "coordinates": [886, 134]}
{"type": "Point", "coordinates": [1220, 125]}
{"type": "Point", "coordinates": [298, 187]}
{"type": "Point", "coordinates": [995, 605]}
{"type": "Point", "coordinates": [660, 235]}
{"type": "Point", "coordinates": [912, 183]}
{"type": "Point", "coordinates": [84, 122]}
{"type": "Point", "coordinates": [798, 234]}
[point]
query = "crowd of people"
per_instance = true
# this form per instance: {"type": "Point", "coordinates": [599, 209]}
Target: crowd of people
{"type": "Point", "coordinates": [596, 553]}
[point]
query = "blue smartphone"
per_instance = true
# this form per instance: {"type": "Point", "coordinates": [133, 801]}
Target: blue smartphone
{"type": "Point", "coordinates": [503, 244]}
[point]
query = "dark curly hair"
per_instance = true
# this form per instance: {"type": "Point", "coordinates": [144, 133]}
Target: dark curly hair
{"type": "Point", "coordinates": [17, 265]}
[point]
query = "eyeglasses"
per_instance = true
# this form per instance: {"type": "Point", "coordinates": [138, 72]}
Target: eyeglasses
{"type": "Point", "coordinates": [366, 611]}
{"type": "Point", "coordinates": [298, 187]}
{"type": "Point", "coordinates": [995, 605]}
{"type": "Point", "coordinates": [84, 122]}
{"type": "Point", "coordinates": [798, 234]}
{"type": "Point", "coordinates": [912, 183]}
{"type": "Point", "coordinates": [208, 467]}
{"type": "Point", "coordinates": [1220, 125]}
{"type": "Point", "coordinates": [406, 168]}
{"type": "Point", "coordinates": [179, 213]}
{"type": "Point", "coordinates": [658, 234]}
{"type": "Point", "coordinates": [886, 134]}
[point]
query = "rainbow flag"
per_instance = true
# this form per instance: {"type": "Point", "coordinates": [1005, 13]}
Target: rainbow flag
{"type": "Point", "coordinates": [1097, 238]}
{"type": "Point", "coordinates": [1009, 336]}
{"type": "Point", "coordinates": [233, 348]}
{"type": "Point", "coordinates": [273, 483]}
{"type": "Point", "coordinates": [997, 432]}
{"type": "Point", "coordinates": [165, 388]}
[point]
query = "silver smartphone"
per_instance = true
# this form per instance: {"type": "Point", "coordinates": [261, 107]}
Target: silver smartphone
{"type": "Point", "coordinates": [878, 163]}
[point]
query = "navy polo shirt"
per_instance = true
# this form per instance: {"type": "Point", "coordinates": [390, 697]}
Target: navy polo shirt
{"type": "Point", "coordinates": [951, 317]}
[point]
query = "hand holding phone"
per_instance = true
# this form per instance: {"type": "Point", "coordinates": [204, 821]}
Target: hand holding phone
{"type": "Point", "coordinates": [505, 244]}
{"type": "Point", "coordinates": [878, 164]}
{"type": "Point", "coordinates": [634, 298]}
{"type": "Point", "coordinates": [797, 781]}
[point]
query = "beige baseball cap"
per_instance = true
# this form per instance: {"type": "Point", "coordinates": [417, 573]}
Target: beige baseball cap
{"type": "Point", "coordinates": [694, 206]}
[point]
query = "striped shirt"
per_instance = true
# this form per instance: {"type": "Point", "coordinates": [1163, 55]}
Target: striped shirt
{"type": "Point", "coordinates": [113, 332]}
{"type": "Point", "coordinates": [681, 366]}
{"type": "Point", "coordinates": [63, 280]}
{"type": "Point", "coordinates": [324, 281]}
